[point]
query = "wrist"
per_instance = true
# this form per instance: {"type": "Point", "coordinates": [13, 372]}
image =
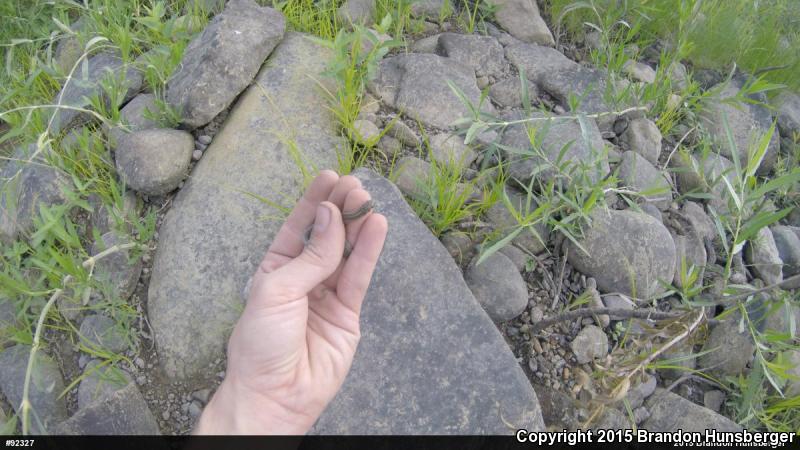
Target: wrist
{"type": "Point", "coordinates": [234, 409]}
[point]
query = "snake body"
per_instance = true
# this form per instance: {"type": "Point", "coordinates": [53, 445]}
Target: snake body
{"type": "Point", "coordinates": [347, 217]}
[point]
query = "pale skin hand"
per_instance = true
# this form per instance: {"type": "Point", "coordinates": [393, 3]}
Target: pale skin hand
{"type": "Point", "coordinates": [294, 343]}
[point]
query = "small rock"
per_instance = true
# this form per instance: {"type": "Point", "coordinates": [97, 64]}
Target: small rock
{"type": "Point", "coordinates": [762, 255]}
{"type": "Point", "coordinates": [713, 400]}
{"type": "Point", "coordinates": [141, 113]}
{"type": "Point", "coordinates": [517, 256]}
{"type": "Point", "coordinates": [590, 343]}
{"type": "Point", "coordinates": [370, 104]}
{"type": "Point", "coordinates": [522, 20]}
{"type": "Point", "coordinates": [365, 132]}
{"type": "Point", "coordinates": [787, 241]}
{"type": "Point", "coordinates": [139, 362]}
{"type": "Point", "coordinates": [427, 9]}
{"type": "Point", "coordinates": [481, 53]}
{"type": "Point", "coordinates": [98, 381]}
{"type": "Point", "coordinates": [652, 211]}
{"type": "Point", "coordinates": [639, 71]}
{"type": "Point", "coordinates": [638, 174]}
{"type": "Point", "coordinates": [195, 409]}
{"type": "Point", "coordinates": [638, 393]}
{"type": "Point", "coordinates": [202, 395]}
{"type": "Point", "coordinates": [678, 75]}
{"type": "Point", "coordinates": [403, 133]}
{"type": "Point", "coordinates": [597, 302]}
{"type": "Point", "coordinates": [459, 245]}
{"type": "Point", "coordinates": [361, 12]}
{"type": "Point", "coordinates": [618, 302]}
{"type": "Point", "coordinates": [690, 255]}
{"type": "Point", "coordinates": [498, 287]}
{"type": "Point", "coordinates": [117, 269]}
{"type": "Point", "coordinates": [449, 149]}
{"type": "Point", "coordinates": [196, 155]}
{"type": "Point", "coordinates": [504, 221]}
{"type": "Point", "coordinates": [508, 92]}
{"type": "Point", "coordinates": [727, 351]}
{"type": "Point", "coordinates": [154, 162]}
{"type": "Point", "coordinates": [204, 139]}
{"type": "Point", "coordinates": [643, 137]}
{"type": "Point", "coordinates": [141, 380]}
{"type": "Point", "coordinates": [670, 412]}
{"type": "Point", "coordinates": [121, 412]}
{"type": "Point", "coordinates": [391, 146]}
{"type": "Point", "coordinates": [426, 45]}
{"type": "Point", "coordinates": [101, 332]}
{"type": "Point", "coordinates": [199, 146]}
{"type": "Point", "coordinates": [699, 220]}
{"type": "Point", "coordinates": [640, 414]}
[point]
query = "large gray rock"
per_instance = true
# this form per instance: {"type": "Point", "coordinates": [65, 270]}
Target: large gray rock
{"type": "Point", "coordinates": [552, 135]}
{"type": "Point", "coordinates": [628, 252]}
{"type": "Point", "coordinates": [119, 412]}
{"type": "Point", "coordinates": [416, 84]}
{"type": "Point", "coordinates": [25, 187]}
{"type": "Point", "coordinates": [219, 63]}
{"type": "Point", "coordinates": [430, 360]}
{"type": "Point", "coordinates": [748, 122]}
{"type": "Point", "coordinates": [141, 113]}
{"type": "Point", "coordinates": [671, 412]}
{"type": "Point", "coordinates": [637, 174]}
{"type": "Point", "coordinates": [538, 61]}
{"type": "Point", "coordinates": [498, 287]}
{"type": "Point", "coordinates": [787, 241]}
{"type": "Point", "coordinates": [729, 350]}
{"type": "Point", "coordinates": [98, 381]}
{"type": "Point", "coordinates": [522, 20]}
{"type": "Point", "coordinates": [78, 91]}
{"type": "Point", "coordinates": [47, 405]}
{"type": "Point", "coordinates": [762, 255]}
{"type": "Point", "coordinates": [483, 54]}
{"type": "Point", "coordinates": [154, 162]}
{"type": "Point", "coordinates": [119, 270]}
{"type": "Point", "coordinates": [206, 254]}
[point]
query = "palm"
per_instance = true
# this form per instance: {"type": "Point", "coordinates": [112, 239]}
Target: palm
{"type": "Point", "coordinates": [296, 339]}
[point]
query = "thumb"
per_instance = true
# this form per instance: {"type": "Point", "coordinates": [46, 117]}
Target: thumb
{"type": "Point", "coordinates": [318, 260]}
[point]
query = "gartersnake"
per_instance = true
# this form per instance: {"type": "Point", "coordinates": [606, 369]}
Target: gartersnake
{"type": "Point", "coordinates": [347, 217]}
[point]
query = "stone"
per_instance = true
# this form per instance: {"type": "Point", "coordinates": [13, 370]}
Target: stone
{"type": "Point", "coordinates": [403, 133]}
{"type": "Point", "coordinates": [483, 54]}
{"type": "Point", "coordinates": [412, 176]}
{"type": "Point", "coordinates": [195, 410]}
{"type": "Point", "coordinates": [714, 399]}
{"type": "Point", "coordinates": [427, 8]}
{"type": "Point", "coordinates": [196, 155]}
{"type": "Point", "coordinates": [99, 331]}
{"type": "Point", "coordinates": [729, 351]}
{"type": "Point", "coordinates": [704, 175]}
{"type": "Point", "coordinates": [700, 222]}
{"type": "Point", "coordinates": [652, 211]}
{"type": "Point", "coordinates": [428, 44]}
{"type": "Point", "coordinates": [792, 388]}
{"type": "Point", "coordinates": [98, 380]}
{"type": "Point", "coordinates": [498, 287]}
{"type": "Point", "coordinates": [45, 388]}
{"type": "Point", "coordinates": [761, 253]}
{"type": "Point", "coordinates": [522, 20]}
{"type": "Point", "coordinates": [141, 113]}
{"type": "Point", "coordinates": [517, 256]}
{"type": "Point", "coordinates": [690, 255]}
{"type": "Point", "coordinates": [538, 61]}
{"type": "Point", "coordinates": [416, 84]}
{"type": "Point", "coordinates": [204, 139]}
{"type": "Point", "coordinates": [107, 217]}
{"type": "Point", "coordinates": [25, 188]}
{"type": "Point", "coordinates": [8, 316]}
{"type": "Point", "coordinates": [639, 71]}
{"type": "Point", "coordinates": [682, 357]}
{"type": "Point", "coordinates": [747, 122]}
{"type": "Point", "coordinates": [787, 242]}
{"type": "Point", "coordinates": [641, 390]}
{"type": "Point", "coordinates": [552, 134]}
{"type": "Point", "coordinates": [121, 412]}
{"type": "Point", "coordinates": [206, 255]}
{"type": "Point", "coordinates": [366, 132]}
{"type": "Point", "coordinates": [390, 146]}
{"type": "Point", "coordinates": [678, 75]}
{"type": "Point", "coordinates": [361, 12]}
{"type": "Point", "coordinates": [637, 174]}
{"type": "Point", "coordinates": [788, 104]}
{"type": "Point", "coordinates": [222, 60]}
{"type": "Point", "coordinates": [84, 84]}
{"type": "Point", "coordinates": [508, 93]}
{"type": "Point", "coordinates": [595, 301]}
{"type": "Point", "coordinates": [118, 270]}
{"type": "Point", "coordinates": [459, 245]}
{"type": "Point", "coordinates": [532, 239]}
{"type": "Point", "coordinates": [69, 49]}
{"type": "Point", "coordinates": [430, 360]}
{"type": "Point", "coordinates": [617, 302]}
{"type": "Point", "coordinates": [590, 343]}
{"type": "Point", "coordinates": [670, 412]}
{"type": "Point", "coordinates": [643, 137]}
{"type": "Point", "coordinates": [154, 162]}
{"type": "Point", "coordinates": [449, 150]}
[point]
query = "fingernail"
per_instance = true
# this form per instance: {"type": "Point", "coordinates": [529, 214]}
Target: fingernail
{"type": "Point", "coordinates": [323, 218]}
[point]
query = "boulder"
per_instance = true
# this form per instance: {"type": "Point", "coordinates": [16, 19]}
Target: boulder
{"type": "Point", "coordinates": [636, 173]}
{"type": "Point", "coordinates": [483, 54]}
{"type": "Point", "coordinates": [522, 20]}
{"type": "Point", "coordinates": [47, 405]}
{"type": "Point", "coordinates": [77, 92]}
{"type": "Point", "coordinates": [154, 162]}
{"type": "Point", "coordinates": [643, 137]}
{"type": "Point", "coordinates": [670, 412]}
{"type": "Point", "coordinates": [416, 84]}
{"type": "Point", "coordinates": [206, 254]}
{"type": "Point", "coordinates": [119, 270]}
{"type": "Point", "coordinates": [141, 113]}
{"type": "Point", "coordinates": [628, 252]}
{"type": "Point", "coordinates": [120, 412]}
{"type": "Point", "coordinates": [220, 62]}
{"type": "Point", "coordinates": [498, 287]}
{"type": "Point", "coordinates": [748, 122]}
{"type": "Point", "coordinates": [430, 360]}
{"type": "Point", "coordinates": [552, 134]}
{"type": "Point", "coordinates": [761, 253]}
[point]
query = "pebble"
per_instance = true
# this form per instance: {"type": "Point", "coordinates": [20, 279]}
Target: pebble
{"type": "Point", "coordinates": [195, 409]}
{"type": "Point", "coordinates": [204, 139]}
{"type": "Point", "coordinates": [640, 414]}
{"type": "Point", "coordinates": [201, 395]}
{"type": "Point", "coordinates": [713, 399]}
{"type": "Point", "coordinates": [139, 362]}
{"type": "Point", "coordinates": [165, 415]}
{"type": "Point", "coordinates": [196, 155]}
{"type": "Point", "coordinates": [200, 146]}
{"type": "Point", "coordinates": [141, 380]}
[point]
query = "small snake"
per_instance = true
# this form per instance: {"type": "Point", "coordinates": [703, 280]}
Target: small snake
{"type": "Point", "coordinates": [347, 217]}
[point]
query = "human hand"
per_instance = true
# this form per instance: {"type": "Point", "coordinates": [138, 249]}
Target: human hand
{"type": "Point", "coordinates": [295, 341]}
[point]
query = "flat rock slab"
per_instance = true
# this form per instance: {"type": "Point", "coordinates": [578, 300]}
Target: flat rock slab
{"type": "Point", "coordinates": [214, 236]}
{"type": "Point", "coordinates": [219, 63]}
{"type": "Point", "coordinates": [416, 84]}
{"type": "Point", "coordinates": [122, 412]}
{"type": "Point", "coordinates": [430, 360]}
